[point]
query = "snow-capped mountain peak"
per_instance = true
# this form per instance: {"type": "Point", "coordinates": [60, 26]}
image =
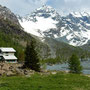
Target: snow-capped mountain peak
{"type": "Point", "coordinates": [44, 11]}
{"type": "Point", "coordinates": [46, 8]}
{"type": "Point", "coordinates": [73, 29]}
{"type": "Point", "coordinates": [41, 20]}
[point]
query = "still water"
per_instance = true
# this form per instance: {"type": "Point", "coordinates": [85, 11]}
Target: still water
{"type": "Point", "coordinates": [64, 67]}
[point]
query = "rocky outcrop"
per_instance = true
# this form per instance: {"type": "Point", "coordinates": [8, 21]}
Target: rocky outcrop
{"type": "Point", "coordinates": [9, 69]}
{"type": "Point", "coordinates": [5, 14]}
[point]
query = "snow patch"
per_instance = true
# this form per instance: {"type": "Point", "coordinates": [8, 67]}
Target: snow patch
{"type": "Point", "coordinates": [37, 28]}
{"type": "Point", "coordinates": [76, 14]}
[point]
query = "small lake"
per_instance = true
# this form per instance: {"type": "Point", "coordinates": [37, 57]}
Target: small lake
{"type": "Point", "coordinates": [64, 67]}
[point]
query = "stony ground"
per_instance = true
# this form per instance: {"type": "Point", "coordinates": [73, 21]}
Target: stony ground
{"type": "Point", "coordinates": [11, 69]}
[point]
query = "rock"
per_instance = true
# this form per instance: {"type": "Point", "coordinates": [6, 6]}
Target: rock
{"type": "Point", "coordinates": [87, 75]}
{"type": "Point", "coordinates": [67, 71]}
{"type": "Point", "coordinates": [1, 65]}
{"type": "Point", "coordinates": [53, 72]}
{"type": "Point", "coordinates": [19, 71]}
{"type": "Point", "coordinates": [9, 73]}
{"type": "Point", "coordinates": [11, 67]}
{"type": "Point", "coordinates": [2, 72]}
{"type": "Point", "coordinates": [28, 75]}
{"type": "Point", "coordinates": [26, 72]}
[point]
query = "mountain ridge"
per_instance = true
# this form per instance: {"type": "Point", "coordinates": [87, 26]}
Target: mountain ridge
{"type": "Point", "coordinates": [73, 29]}
{"type": "Point", "coordinates": [13, 35]}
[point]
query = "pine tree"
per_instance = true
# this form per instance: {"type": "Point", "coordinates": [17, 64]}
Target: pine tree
{"type": "Point", "coordinates": [31, 57]}
{"type": "Point", "coordinates": [74, 64]}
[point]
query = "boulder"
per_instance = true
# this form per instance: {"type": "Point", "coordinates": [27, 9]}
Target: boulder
{"type": "Point", "coordinates": [9, 73]}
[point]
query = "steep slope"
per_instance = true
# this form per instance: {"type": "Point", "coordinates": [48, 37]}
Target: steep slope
{"type": "Point", "coordinates": [73, 29]}
{"type": "Point", "coordinates": [78, 29]}
{"type": "Point", "coordinates": [40, 21]}
{"type": "Point", "coordinates": [63, 50]}
{"type": "Point", "coordinates": [5, 14]}
{"type": "Point", "coordinates": [12, 34]}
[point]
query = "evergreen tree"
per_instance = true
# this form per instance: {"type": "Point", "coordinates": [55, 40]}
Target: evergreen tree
{"type": "Point", "coordinates": [74, 64]}
{"type": "Point", "coordinates": [31, 57]}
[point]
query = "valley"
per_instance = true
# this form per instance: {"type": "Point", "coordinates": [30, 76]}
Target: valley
{"type": "Point", "coordinates": [52, 49]}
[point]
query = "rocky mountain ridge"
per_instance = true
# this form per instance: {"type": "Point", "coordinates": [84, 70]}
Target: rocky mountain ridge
{"type": "Point", "coordinates": [45, 21]}
{"type": "Point", "coordinates": [12, 35]}
{"type": "Point", "coordinates": [6, 13]}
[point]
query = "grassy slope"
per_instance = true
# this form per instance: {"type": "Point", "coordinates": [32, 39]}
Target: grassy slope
{"type": "Point", "coordinates": [52, 82]}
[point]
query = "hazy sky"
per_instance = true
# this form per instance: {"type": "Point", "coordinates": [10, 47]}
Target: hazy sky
{"type": "Point", "coordinates": [23, 7]}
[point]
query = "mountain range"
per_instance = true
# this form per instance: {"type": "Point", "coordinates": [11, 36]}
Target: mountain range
{"type": "Point", "coordinates": [54, 34]}
{"type": "Point", "coordinates": [73, 29]}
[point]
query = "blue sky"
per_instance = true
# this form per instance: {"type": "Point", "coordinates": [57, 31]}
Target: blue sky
{"type": "Point", "coordinates": [23, 7]}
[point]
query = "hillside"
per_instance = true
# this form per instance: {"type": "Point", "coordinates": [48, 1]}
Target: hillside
{"type": "Point", "coordinates": [13, 35]}
{"type": "Point", "coordinates": [63, 50]}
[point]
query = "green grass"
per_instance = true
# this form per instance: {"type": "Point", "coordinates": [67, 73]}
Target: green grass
{"type": "Point", "coordinates": [59, 81]}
